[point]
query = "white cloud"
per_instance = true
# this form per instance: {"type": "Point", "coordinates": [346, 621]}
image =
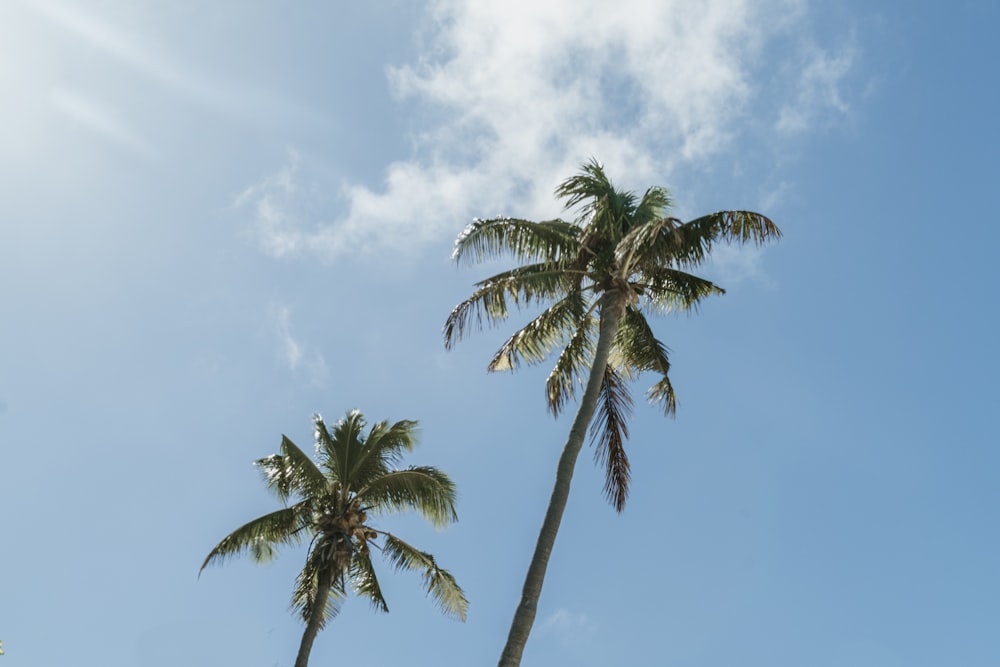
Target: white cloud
{"type": "Point", "coordinates": [521, 93]}
{"type": "Point", "coordinates": [293, 353]}
{"type": "Point", "coordinates": [568, 623]}
{"type": "Point", "coordinates": [819, 90]}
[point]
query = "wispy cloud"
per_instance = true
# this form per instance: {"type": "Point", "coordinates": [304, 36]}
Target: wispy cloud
{"type": "Point", "coordinates": [568, 624]}
{"type": "Point", "coordinates": [520, 95]}
{"type": "Point", "coordinates": [819, 96]}
{"type": "Point", "coordinates": [102, 121]}
{"type": "Point", "coordinates": [140, 53]}
{"type": "Point", "coordinates": [293, 353]}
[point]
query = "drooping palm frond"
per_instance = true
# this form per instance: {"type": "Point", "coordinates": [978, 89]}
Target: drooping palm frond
{"type": "Point", "coordinates": [608, 432]}
{"type": "Point", "coordinates": [365, 582]}
{"type": "Point", "coordinates": [668, 290]}
{"type": "Point", "coordinates": [524, 239]}
{"type": "Point", "coordinates": [438, 583]}
{"type": "Point", "coordinates": [536, 340]}
{"type": "Point", "coordinates": [260, 536]}
{"type": "Point", "coordinates": [640, 349]}
{"type": "Point", "coordinates": [692, 241]}
{"type": "Point", "coordinates": [292, 473]}
{"type": "Point", "coordinates": [422, 488]}
{"type": "Point", "coordinates": [383, 450]}
{"type": "Point", "coordinates": [307, 585]}
{"type": "Point", "coordinates": [572, 364]}
{"type": "Point", "coordinates": [490, 302]}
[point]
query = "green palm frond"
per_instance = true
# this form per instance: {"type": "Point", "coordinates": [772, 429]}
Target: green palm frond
{"type": "Point", "coordinates": [608, 432]}
{"type": "Point", "coordinates": [422, 488]}
{"type": "Point", "coordinates": [383, 450]}
{"type": "Point", "coordinates": [307, 585]}
{"type": "Point", "coordinates": [365, 582]}
{"type": "Point", "coordinates": [668, 289]}
{"type": "Point", "coordinates": [653, 206]}
{"type": "Point", "coordinates": [439, 583]}
{"type": "Point", "coordinates": [292, 473]}
{"type": "Point", "coordinates": [490, 302]}
{"type": "Point", "coordinates": [538, 338]}
{"type": "Point", "coordinates": [338, 448]}
{"type": "Point", "coordinates": [572, 364]}
{"type": "Point", "coordinates": [524, 239]}
{"type": "Point", "coordinates": [639, 348]}
{"type": "Point", "coordinates": [260, 536]}
{"type": "Point", "coordinates": [591, 186]}
{"type": "Point", "coordinates": [693, 240]}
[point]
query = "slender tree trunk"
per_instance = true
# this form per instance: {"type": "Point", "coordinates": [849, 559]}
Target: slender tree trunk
{"type": "Point", "coordinates": [611, 313]}
{"type": "Point", "coordinates": [316, 617]}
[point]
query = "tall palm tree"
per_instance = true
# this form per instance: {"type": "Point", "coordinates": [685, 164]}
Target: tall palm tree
{"type": "Point", "coordinates": [622, 256]}
{"type": "Point", "coordinates": [332, 504]}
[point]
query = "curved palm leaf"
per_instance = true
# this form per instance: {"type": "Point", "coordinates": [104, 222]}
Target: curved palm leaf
{"type": "Point", "coordinates": [439, 583]}
{"type": "Point", "coordinates": [365, 582]}
{"type": "Point", "coordinates": [539, 337]}
{"type": "Point", "coordinates": [524, 239]}
{"type": "Point", "coordinates": [573, 361]}
{"type": "Point", "coordinates": [668, 290]}
{"type": "Point", "coordinates": [523, 286]}
{"type": "Point", "coordinates": [421, 488]}
{"type": "Point", "coordinates": [260, 536]}
{"type": "Point", "coordinates": [291, 472]}
{"type": "Point", "coordinates": [640, 349]}
{"type": "Point", "coordinates": [693, 240]}
{"type": "Point", "coordinates": [383, 449]}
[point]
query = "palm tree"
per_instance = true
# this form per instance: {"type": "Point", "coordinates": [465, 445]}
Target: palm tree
{"type": "Point", "coordinates": [332, 503]}
{"type": "Point", "coordinates": [622, 256]}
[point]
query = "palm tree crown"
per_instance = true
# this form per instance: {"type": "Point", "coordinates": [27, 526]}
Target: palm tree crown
{"type": "Point", "coordinates": [622, 253]}
{"type": "Point", "coordinates": [331, 504]}
{"type": "Point", "coordinates": [594, 277]}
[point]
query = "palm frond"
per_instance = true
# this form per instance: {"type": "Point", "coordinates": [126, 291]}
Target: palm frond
{"type": "Point", "coordinates": [573, 362]}
{"type": "Point", "coordinates": [291, 473]}
{"type": "Point", "coordinates": [490, 302]}
{"type": "Point", "coordinates": [338, 448]}
{"type": "Point", "coordinates": [422, 488]}
{"type": "Point", "coordinates": [307, 583]}
{"type": "Point", "coordinates": [538, 338]}
{"type": "Point", "coordinates": [608, 432]}
{"type": "Point", "coordinates": [591, 185]}
{"type": "Point", "coordinates": [640, 349]}
{"type": "Point", "coordinates": [668, 289]}
{"type": "Point", "coordinates": [653, 206]}
{"type": "Point", "coordinates": [383, 449]}
{"type": "Point", "coordinates": [365, 582]}
{"type": "Point", "coordinates": [524, 239]}
{"type": "Point", "coordinates": [693, 240]}
{"type": "Point", "coordinates": [438, 583]}
{"type": "Point", "coordinates": [260, 536]}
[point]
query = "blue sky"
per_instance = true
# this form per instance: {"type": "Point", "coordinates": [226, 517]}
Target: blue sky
{"type": "Point", "coordinates": [219, 221]}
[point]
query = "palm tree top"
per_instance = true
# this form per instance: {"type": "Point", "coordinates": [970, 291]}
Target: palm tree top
{"type": "Point", "coordinates": [620, 249]}
{"type": "Point", "coordinates": [332, 503]}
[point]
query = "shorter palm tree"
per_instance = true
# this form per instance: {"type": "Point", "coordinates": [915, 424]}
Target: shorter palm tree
{"type": "Point", "coordinates": [331, 504]}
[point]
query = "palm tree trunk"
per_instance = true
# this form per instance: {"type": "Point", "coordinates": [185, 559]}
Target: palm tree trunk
{"type": "Point", "coordinates": [612, 308]}
{"type": "Point", "coordinates": [316, 617]}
